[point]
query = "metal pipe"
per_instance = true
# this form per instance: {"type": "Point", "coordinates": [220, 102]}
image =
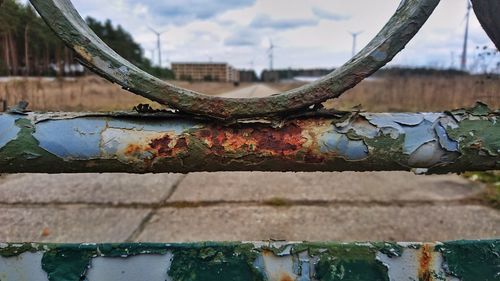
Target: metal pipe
{"type": "Point", "coordinates": [258, 261]}
{"type": "Point", "coordinates": [467, 139]}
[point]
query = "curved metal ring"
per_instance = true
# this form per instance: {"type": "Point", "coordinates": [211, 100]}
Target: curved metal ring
{"type": "Point", "coordinates": [488, 13]}
{"type": "Point", "coordinates": [63, 18]}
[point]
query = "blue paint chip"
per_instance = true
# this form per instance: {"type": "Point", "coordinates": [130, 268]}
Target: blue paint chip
{"type": "Point", "coordinates": [416, 136]}
{"type": "Point", "coordinates": [77, 139]}
{"type": "Point", "coordinates": [379, 55]}
{"type": "Point", "coordinates": [444, 140]}
{"type": "Point", "coordinates": [334, 142]}
{"type": "Point", "coordinates": [407, 119]}
{"type": "Point", "coordinates": [123, 70]}
{"type": "Point", "coordinates": [8, 128]}
{"type": "Point", "coordinates": [384, 120]}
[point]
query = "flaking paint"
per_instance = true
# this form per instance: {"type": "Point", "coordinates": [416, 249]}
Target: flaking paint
{"type": "Point", "coordinates": [301, 261]}
{"type": "Point", "coordinates": [446, 142]}
{"type": "Point", "coordinates": [8, 130]}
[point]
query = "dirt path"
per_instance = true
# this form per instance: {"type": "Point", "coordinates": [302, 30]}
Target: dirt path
{"type": "Point", "coordinates": [253, 91]}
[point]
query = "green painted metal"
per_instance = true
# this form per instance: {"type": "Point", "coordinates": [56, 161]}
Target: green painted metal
{"type": "Point", "coordinates": [253, 261]}
{"type": "Point", "coordinates": [455, 141]}
{"type": "Point", "coordinates": [62, 17]}
{"type": "Point", "coordinates": [488, 12]}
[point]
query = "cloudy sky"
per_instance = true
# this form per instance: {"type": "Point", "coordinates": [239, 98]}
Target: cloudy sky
{"type": "Point", "coordinates": [306, 33]}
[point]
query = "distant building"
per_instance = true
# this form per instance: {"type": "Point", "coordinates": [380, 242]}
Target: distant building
{"type": "Point", "coordinates": [209, 71]}
{"type": "Point", "coordinates": [270, 76]}
{"type": "Point", "coordinates": [248, 76]}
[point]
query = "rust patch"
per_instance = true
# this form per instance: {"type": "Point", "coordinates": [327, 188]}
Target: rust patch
{"type": "Point", "coordinates": [424, 270]}
{"type": "Point", "coordinates": [285, 277]}
{"type": "Point", "coordinates": [82, 52]}
{"type": "Point", "coordinates": [267, 252]}
{"type": "Point", "coordinates": [133, 149]}
{"type": "Point", "coordinates": [283, 142]}
{"type": "Point", "coordinates": [45, 232]}
{"type": "Point", "coordinates": [169, 146]}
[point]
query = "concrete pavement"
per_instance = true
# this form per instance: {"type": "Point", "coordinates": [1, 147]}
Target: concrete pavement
{"type": "Point", "coordinates": [242, 206]}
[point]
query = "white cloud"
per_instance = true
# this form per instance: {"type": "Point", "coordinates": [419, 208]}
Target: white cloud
{"type": "Point", "coordinates": [327, 15]}
{"type": "Point", "coordinates": [266, 21]}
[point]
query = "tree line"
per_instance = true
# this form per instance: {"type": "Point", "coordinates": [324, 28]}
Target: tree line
{"type": "Point", "coordinates": [28, 46]}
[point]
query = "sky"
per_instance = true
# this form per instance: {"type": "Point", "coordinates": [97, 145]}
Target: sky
{"type": "Point", "coordinates": [305, 33]}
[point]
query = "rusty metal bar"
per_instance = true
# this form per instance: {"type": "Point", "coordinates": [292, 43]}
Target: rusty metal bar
{"type": "Point", "coordinates": [63, 18]}
{"type": "Point", "coordinates": [456, 141]}
{"type": "Point", "coordinates": [252, 261]}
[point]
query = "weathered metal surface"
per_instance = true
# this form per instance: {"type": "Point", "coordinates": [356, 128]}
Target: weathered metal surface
{"type": "Point", "coordinates": [488, 13]}
{"type": "Point", "coordinates": [253, 261]}
{"type": "Point", "coordinates": [62, 17]}
{"type": "Point", "coordinates": [456, 141]}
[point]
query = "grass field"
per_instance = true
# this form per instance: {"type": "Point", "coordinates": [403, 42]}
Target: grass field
{"type": "Point", "coordinates": [419, 93]}
{"type": "Point", "coordinates": [422, 93]}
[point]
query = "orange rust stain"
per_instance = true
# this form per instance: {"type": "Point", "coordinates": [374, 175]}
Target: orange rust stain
{"type": "Point", "coordinates": [285, 277]}
{"type": "Point", "coordinates": [266, 252]}
{"type": "Point", "coordinates": [234, 142]}
{"type": "Point", "coordinates": [83, 53]}
{"type": "Point", "coordinates": [132, 149]}
{"type": "Point", "coordinates": [285, 141]}
{"type": "Point", "coordinates": [169, 146]}
{"type": "Point", "coordinates": [424, 270]}
{"type": "Point", "coordinates": [206, 136]}
{"type": "Point", "coordinates": [45, 232]}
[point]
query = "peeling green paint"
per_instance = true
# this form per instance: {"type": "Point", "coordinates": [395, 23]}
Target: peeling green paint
{"type": "Point", "coordinates": [480, 109]}
{"type": "Point", "coordinates": [472, 261]}
{"type": "Point", "coordinates": [215, 262]}
{"type": "Point", "coordinates": [478, 135]}
{"type": "Point", "coordinates": [12, 250]}
{"type": "Point", "coordinates": [465, 260]}
{"type": "Point", "coordinates": [350, 262]}
{"type": "Point", "coordinates": [67, 262]}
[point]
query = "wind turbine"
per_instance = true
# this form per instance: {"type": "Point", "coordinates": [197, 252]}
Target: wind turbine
{"type": "Point", "coordinates": [158, 43]}
{"type": "Point", "coordinates": [270, 53]}
{"type": "Point", "coordinates": [466, 37]}
{"type": "Point", "coordinates": [354, 41]}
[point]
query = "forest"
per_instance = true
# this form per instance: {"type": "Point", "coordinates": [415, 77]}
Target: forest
{"type": "Point", "coordinates": [29, 48]}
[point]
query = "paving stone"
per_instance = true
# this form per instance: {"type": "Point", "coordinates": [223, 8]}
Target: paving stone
{"type": "Point", "coordinates": [68, 224]}
{"type": "Point", "coordinates": [230, 223]}
{"type": "Point", "coordinates": [86, 188]}
{"type": "Point", "coordinates": [380, 186]}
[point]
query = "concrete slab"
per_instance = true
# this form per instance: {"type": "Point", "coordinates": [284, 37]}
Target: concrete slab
{"type": "Point", "coordinates": [86, 188]}
{"type": "Point", "coordinates": [70, 224]}
{"type": "Point", "coordinates": [381, 187]}
{"type": "Point", "coordinates": [230, 222]}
